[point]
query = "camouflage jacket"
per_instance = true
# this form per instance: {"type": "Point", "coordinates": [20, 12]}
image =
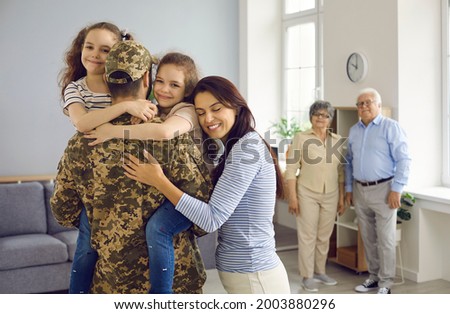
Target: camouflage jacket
{"type": "Point", "coordinates": [118, 208]}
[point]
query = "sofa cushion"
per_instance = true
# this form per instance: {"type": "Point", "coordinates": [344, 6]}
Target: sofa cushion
{"type": "Point", "coordinates": [52, 225]}
{"type": "Point", "coordinates": [70, 239]}
{"type": "Point", "coordinates": [31, 250]}
{"type": "Point", "coordinates": [22, 209]}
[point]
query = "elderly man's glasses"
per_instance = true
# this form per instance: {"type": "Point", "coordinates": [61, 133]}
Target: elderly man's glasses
{"type": "Point", "coordinates": [367, 102]}
{"type": "Point", "coordinates": [321, 115]}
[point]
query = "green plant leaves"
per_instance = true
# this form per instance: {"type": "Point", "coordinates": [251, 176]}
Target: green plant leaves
{"type": "Point", "coordinates": [407, 201]}
{"type": "Point", "coordinates": [285, 128]}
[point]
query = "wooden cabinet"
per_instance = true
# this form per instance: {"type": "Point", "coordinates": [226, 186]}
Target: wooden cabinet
{"type": "Point", "coordinates": [346, 247]}
{"type": "Point", "coordinates": [344, 119]}
{"type": "Point", "coordinates": [349, 249]}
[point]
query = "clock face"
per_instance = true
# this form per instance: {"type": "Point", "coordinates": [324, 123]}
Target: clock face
{"type": "Point", "coordinates": [356, 67]}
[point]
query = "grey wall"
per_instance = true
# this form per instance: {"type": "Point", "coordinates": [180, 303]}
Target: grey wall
{"type": "Point", "coordinates": [36, 33]}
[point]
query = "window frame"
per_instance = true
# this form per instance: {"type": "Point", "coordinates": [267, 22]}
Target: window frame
{"type": "Point", "coordinates": [445, 94]}
{"type": "Point", "coordinates": [317, 8]}
{"type": "Point", "coordinates": [288, 20]}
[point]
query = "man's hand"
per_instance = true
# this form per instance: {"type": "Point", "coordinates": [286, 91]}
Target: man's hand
{"type": "Point", "coordinates": [349, 199]}
{"type": "Point", "coordinates": [394, 200]}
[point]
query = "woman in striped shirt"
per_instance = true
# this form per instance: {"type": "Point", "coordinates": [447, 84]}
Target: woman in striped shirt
{"type": "Point", "coordinates": [247, 182]}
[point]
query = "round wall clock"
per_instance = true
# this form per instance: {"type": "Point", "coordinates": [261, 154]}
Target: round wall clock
{"type": "Point", "coordinates": [356, 67]}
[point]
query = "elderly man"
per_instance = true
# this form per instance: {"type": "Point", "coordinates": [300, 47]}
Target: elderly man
{"type": "Point", "coordinates": [376, 173]}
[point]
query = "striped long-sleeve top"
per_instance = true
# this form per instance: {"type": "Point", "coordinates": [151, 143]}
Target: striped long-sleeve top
{"type": "Point", "coordinates": [241, 207]}
{"type": "Point", "coordinates": [79, 92]}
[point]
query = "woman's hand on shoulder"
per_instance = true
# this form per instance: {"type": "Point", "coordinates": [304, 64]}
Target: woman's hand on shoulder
{"type": "Point", "coordinates": [149, 172]}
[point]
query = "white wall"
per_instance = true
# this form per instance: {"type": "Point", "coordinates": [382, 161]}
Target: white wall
{"type": "Point", "coordinates": [402, 42]}
{"type": "Point", "coordinates": [425, 246]}
{"type": "Point", "coordinates": [365, 26]}
{"type": "Point", "coordinates": [260, 60]}
{"type": "Point", "coordinates": [420, 87]}
{"type": "Point", "coordinates": [36, 33]}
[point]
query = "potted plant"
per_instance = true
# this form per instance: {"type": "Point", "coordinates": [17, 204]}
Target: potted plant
{"type": "Point", "coordinates": [407, 202]}
{"type": "Point", "coordinates": [286, 129]}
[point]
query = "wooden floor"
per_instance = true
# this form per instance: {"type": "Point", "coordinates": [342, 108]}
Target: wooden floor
{"type": "Point", "coordinates": [347, 279]}
{"type": "Point", "coordinates": [285, 238]}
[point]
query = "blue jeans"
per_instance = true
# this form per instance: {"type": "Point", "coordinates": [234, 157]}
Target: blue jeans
{"type": "Point", "coordinates": [84, 260]}
{"type": "Point", "coordinates": [163, 225]}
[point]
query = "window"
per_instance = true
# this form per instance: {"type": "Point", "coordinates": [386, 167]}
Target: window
{"type": "Point", "coordinates": [446, 96]}
{"type": "Point", "coordinates": [302, 58]}
{"type": "Point", "coordinates": [294, 6]}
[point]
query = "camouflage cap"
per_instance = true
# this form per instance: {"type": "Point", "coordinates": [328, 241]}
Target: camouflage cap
{"type": "Point", "coordinates": [129, 57]}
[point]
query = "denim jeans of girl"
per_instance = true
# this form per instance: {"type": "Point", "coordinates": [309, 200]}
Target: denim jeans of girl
{"type": "Point", "coordinates": [163, 225]}
{"type": "Point", "coordinates": [84, 260]}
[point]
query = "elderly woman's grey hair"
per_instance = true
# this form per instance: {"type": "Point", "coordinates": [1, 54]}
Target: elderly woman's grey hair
{"type": "Point", "coordinates": [320, 105]}
{"type": "Point", "coordinates": [371, 91]}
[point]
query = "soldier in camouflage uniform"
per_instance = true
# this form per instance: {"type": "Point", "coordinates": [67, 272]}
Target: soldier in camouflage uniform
{"type": "Point", "coordinates": [117, 207]}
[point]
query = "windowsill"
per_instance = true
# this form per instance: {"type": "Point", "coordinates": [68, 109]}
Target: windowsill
{"type": "Point", "coordinates": [438, 194]}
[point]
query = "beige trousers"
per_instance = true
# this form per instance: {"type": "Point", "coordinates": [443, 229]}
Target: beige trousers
{"type": "Point", "coordinates": [314, 227]}
{"type": "Point", "coordinates": [272, 281]}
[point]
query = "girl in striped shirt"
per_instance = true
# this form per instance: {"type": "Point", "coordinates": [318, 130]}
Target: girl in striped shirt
{"type": "Point", "coordinates": [84, 90]}
{"type": "Point", "coordinates": [83, 87]}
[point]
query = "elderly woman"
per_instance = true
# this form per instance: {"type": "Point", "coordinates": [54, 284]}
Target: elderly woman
{"type": "Point", "coordinates": [315, 180]}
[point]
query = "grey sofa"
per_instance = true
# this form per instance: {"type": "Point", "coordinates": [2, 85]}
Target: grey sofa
{"type": "Point", "coordinates": [35, 251]}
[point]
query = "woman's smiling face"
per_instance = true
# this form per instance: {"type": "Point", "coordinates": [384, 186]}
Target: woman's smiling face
{"type": "Point", "coordinates": [214, 117]}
